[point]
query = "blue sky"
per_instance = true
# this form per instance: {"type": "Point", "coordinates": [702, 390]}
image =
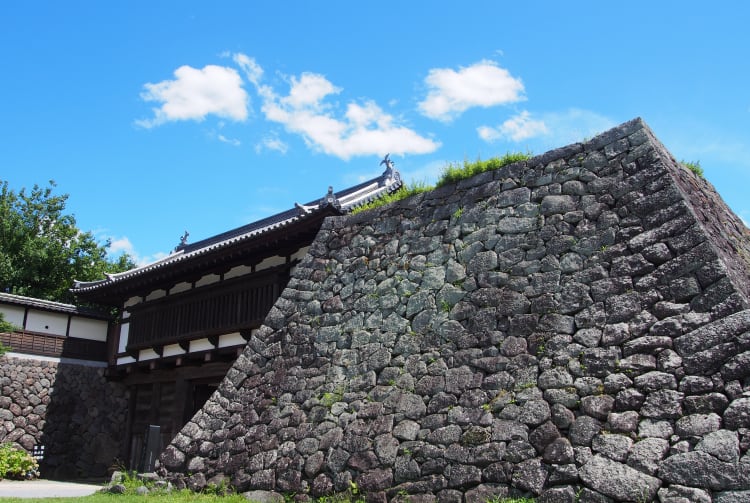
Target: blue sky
{"type": "Point", "coordinates": [161, 117]}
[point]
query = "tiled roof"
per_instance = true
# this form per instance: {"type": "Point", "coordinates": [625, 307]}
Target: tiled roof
{"type": "Point", "coordinates": [344, 201]}
{"type": "Point", "coordinates": [48, 305]}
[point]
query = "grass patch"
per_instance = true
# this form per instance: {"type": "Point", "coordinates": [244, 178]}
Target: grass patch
{"type": "Point", "coordinates": [183, 496]}
{"type": "Point", "coordinates": [402, 193]}
{"type": "Point", "coordinates": [455, 172]}
{"type": "Point", "coordinates": [187, 496]}
{"type": "Point", "coordinates": [695, 167]}
{"type": "Point", "coordinates": [451, 173]}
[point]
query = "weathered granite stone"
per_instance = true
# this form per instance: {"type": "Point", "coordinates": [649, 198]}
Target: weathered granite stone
{"type": "Point", "coordinates": [697, 425]}
{"type": "Point", "coordinates": [565, 494]}
{"type": "Point", "coordinates": [700, 469]}
{"type": "Point", "coordinates": [654, 428]}
{"type": "Point", "coordinates": [722, 444]}
{"type": "Point", "coordinates": [618, 481]}
{"type": "Point", "coordinates": [462, 476]}
{"type": "Point", "coordinates": [554, 378]}
{"type": "Point", "coordinates": [483, 493]}
{"type": "Point", "coordinates": [705, 404]}
{"type": "Point", "coordinates": [586, 495]}
{"type": "Point", "coordinates": [583, 430]}
{"type": "Point", "coordinates": [543, 435]}
{"type": "Point", "coordinates": [534, 412]}
{"type": "Point", "coordinates": [530, 475]}
{"type": "Point", "coordinates": [629, 399]}
{"type": "Point", "coordinates": [677, 493]}
{"type": "Point", "coordinates": [696, 385]}
{"type": "Point", "coordinates": [737, 415]}
{"type": "Point", "coordinates": [732, 497]}
{"type": "Point", "coordinates": [647, 453]}
{"type": "Point", "coordinates": [613, 446]}
{"type": "Point", "coordinates": [559, 451]}
{"type": "Point", "coordinates": [622, 422]}
{"type": "Point", "coordinates": [597, 406]}
{"type": "Point", "coordinates": [663, 404]}
{"type": "Point", "coordinates": [654, 381]}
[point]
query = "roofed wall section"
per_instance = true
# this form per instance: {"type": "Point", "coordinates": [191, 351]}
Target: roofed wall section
{"type": "Point", "coordinates": [566, 327]}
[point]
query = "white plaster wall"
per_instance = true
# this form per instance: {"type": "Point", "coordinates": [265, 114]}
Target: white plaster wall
{"type": "Point", "coordinates": [269, 262]}
{"type": "Point", "coordinates": [173, 350]}
{"type": "Point", "coordinates": [238, 271]}
{"type": "Point", "coordinates": [147, 354]}
{"type": "Point", "coordinates": [180, 287]}
{"type": "Point", "coordinates": [207, 280]}
{"type": "Point", "coordinates": [300, 253]}
{"type": "Point", "coordinates": [86, 328]}
{"type": "Point", "coordinates": [156, 294]}
{"type": "Point", "coordinates": [124, 330]}
{"type": "Point", "coordinates": [47, 323]}
{"type": "Point", "coordinates": [132, 301]}
{"type": "Point", "coordinates": [233, 339]}
{"type": "Point", "coordinates": [13, 314]}
{"type": "Point", "coordinates": [200, 345]}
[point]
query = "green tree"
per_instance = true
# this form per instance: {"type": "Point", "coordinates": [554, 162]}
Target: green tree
{"type": "Point", "coordinates": [41, 249]}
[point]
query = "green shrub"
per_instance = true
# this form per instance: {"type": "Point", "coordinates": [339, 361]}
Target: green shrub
{"type": "Point", "coordinates": [16, 463]}
{"type": "Point", "coordinates": [451, 173]}
{"type": "Point", "coordinates": [695, 167]}
{"type": "Point", "coordinates": [455, 172]}
{"type": "Point", "coordinates": [402, 193]}
{"type": "Point", "coordinates": [6, 326]}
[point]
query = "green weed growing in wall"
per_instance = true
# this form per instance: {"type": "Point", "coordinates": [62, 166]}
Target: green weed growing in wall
{"type": "Point", "coordinates": [694, 166]}
{"type": "Point", "coordinates": [455, 172]}
{"type": "Point", "coordinates": [402, 193]}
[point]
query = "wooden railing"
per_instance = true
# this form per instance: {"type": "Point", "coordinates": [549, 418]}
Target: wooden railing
{"type": "Point", "coordinates": [228, 306]}
{"type": "Point", "coordinates": [54, 345]}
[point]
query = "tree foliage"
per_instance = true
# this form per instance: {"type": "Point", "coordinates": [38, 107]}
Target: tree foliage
{"type": "Point", "coordinates": [42, 250]}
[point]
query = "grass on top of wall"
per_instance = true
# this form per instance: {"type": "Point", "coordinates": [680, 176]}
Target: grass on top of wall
{"type": "Point", "coordinates": [402, 193]}
{"type": "Point", "coordinates": [452, 173]}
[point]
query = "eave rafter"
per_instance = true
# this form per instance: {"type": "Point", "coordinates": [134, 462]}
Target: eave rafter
{"type": "Point", "coordinates": [276, 241]}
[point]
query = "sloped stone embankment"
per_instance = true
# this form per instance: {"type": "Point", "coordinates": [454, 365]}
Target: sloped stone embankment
{"type": "Point", "coordinates": [574, 327]}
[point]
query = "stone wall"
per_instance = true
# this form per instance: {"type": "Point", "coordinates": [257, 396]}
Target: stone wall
{"type": "Point", "coordinates": [564, 327]}
{"type": "Point", "coordinates": [70, 409]}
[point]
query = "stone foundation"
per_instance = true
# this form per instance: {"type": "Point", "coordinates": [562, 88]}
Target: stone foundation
{"type": "Point", "coordinates": [565, 327]}
{"type": "Point", "coordinates": [70, 409]}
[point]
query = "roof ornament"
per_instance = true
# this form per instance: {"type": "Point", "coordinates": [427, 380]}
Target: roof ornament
{"type": "Point", "coordinates": [390, 174]}
{"type": "Point", "coordinates": [330, 199]}
{"type": "Point", "coordinates": [183, 242]}
{"type": "Point", "coordinates": [304, 210]}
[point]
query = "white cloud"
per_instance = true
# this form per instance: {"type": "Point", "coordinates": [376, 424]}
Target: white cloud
{"type": "Point", "coordinates": [252, 70]}
{"type": "Point", "coordinates": [574, 124]}
{"type": "Point", "coordinates": [231, 141]}
{"type": "Point", "coordinates": [120, 245]}
{"type": "Point", "coordinates": [196, 93]}
{"type": "Point", "coordinates": [518, 128]}
{"type": "Point", "coordinates": [272, 142]}
{"type": "Point", "coordinates": [484, 84]}
{"type": "Point", "coordinates": [360, 129]}
{"type": "Point", "coordinates": [364, 129]}
{"type": "Point", "coordinates": [551, 129]}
